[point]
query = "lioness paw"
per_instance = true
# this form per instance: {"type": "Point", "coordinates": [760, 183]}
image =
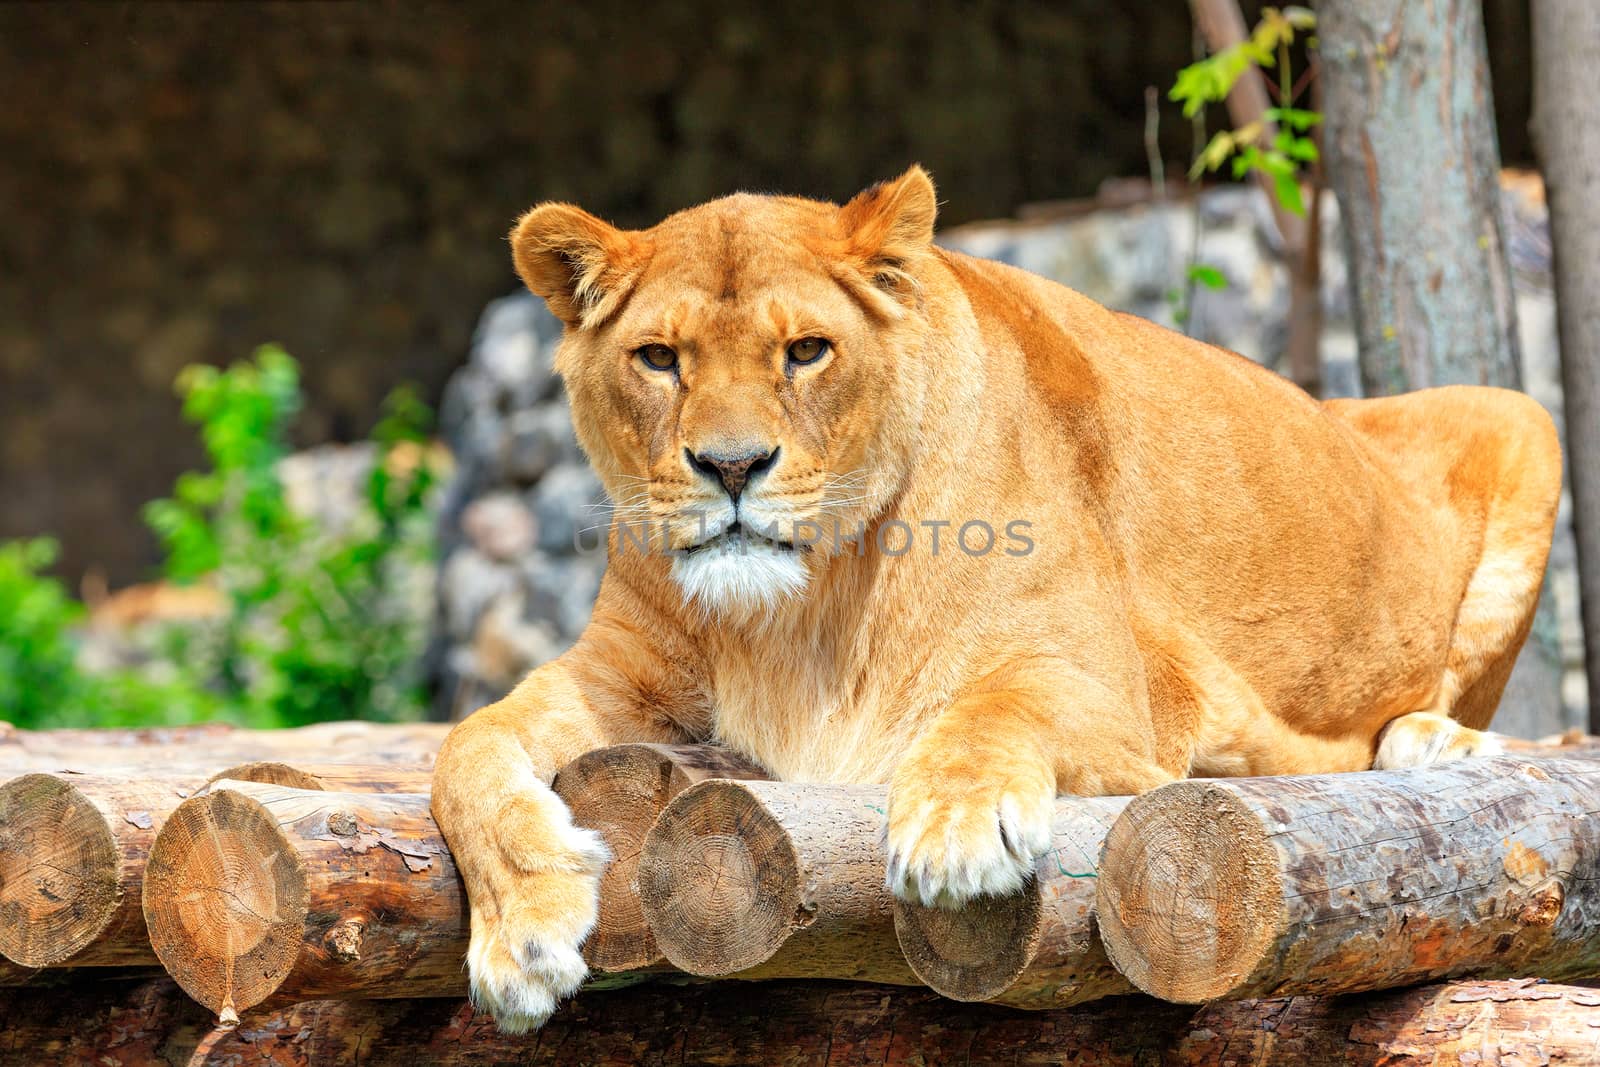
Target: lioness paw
{"type": "Point", "coordinates": [1425, 737]}
{"type": "Point", "coordinates": [525, 953]}
{"type": "Point", "coordinates": [951, 840]}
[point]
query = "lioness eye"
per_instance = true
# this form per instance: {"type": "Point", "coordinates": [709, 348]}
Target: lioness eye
{"type": "Point", "coordinates": [657, 357]}
{"type": "Point", "coordinates": [808, 350]}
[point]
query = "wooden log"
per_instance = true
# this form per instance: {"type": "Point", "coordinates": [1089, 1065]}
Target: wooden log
{"type": "Point", "coordinates": [72, 852]}
{"type": "Point", "coordinates": [772, 879]}
{"type": "Point", "coordinates": [73, 849]}
{"type": "Point", "coordinates": [1340, 883]}
{"type": "Point", "coordinates": [333, 777]}
{"type": "Point", "coordinates": [618, 792]}
{"type": "Point", "coordinates": [1037, 948]}
{"type": "Point", "coordinates": [221, 744]}
{"type": "Point", "coordinates": [257, 890]}
{"type": "Point", "coordinates": [801, 1024]}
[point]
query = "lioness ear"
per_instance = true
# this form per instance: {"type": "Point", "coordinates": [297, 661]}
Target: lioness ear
{"type": "Point", "coordinates": [889, 226]}
{"type": "Point", "coordinates": [583, 267]}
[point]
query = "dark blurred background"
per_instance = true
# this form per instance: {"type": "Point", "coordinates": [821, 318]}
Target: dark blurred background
{"type": "Point", "coordinates": [185, 181]}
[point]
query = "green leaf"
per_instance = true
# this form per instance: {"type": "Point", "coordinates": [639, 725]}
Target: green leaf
{"type": "Point", "coordinates": [1208, 276]}
{"type": "Point", "coordinates": [1294, 118]}
{"type": "Point", "coordinates": [1288, 190]}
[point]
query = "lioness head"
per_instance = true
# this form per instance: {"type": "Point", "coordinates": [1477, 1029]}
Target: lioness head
{"type": "Point", "coordinates": [745, 376]}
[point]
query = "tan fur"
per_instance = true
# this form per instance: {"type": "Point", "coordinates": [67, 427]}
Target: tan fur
{"type": "Point", "coordinates": [1227, 577]}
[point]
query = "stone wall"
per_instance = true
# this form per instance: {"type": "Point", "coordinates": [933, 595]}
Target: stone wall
{"type": "Point", "coordinates": [515, 589]}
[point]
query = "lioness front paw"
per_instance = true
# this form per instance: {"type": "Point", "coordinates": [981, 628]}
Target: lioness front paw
{"type": "Point", "coordinates": [950, 839]}
{"type": "Point", "coordinates": [525, 954]}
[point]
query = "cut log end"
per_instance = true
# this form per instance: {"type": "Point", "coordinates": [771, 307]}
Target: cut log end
{"type": "Point", "coordinates": [618, 792]}
{"type": "Point", "coordinates": [59, 870]}
{"type": "Point", "coordinates": [975, 952]}
{"type": "Point", "coordinates": [225, 901]}
{"type": "Point", "coordinates": [719, 881]}
{"type": "Point", "coordinates": [1189, 896]}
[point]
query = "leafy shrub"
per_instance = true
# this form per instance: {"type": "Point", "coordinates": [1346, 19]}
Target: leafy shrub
{"type": "Point", "coordinates": [313, 626]}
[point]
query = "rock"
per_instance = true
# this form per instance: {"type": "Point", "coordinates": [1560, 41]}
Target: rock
{"type": "Point", "coordinates": [569, 500]}
{"type": "Point", "coordinates": [563, 588]}
{"type": "Point", "coordinates": [500, 526]}
{"type": "Point", "coordinates": [468, 584]}
{"type": "Point", "coordinates": [515, 345]}
{"type": "Point", "coordinates": [327, 485]}
{"type": "Point", "coordinates": [507, 645]}
{"type": "Point", "coordinates": [536, 440]}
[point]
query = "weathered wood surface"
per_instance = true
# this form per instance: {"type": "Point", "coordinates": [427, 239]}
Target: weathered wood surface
{"type": "Point", "coordinates": [256, 890]}
{"type": "Point", "coordinates": [796, 1024]}
{"type": "Point", "coordinates": [618, 792]}
{"type": "Point", "coordinates": [772, 880]}
{"type": "Point", "coordinates": [219, 745]}
{"type": "Point", "coordinates": [1037, 948]}
{"type": "Point", "coordinates": [1339, 883]}
{"type": "Point", "coordinates": [72, 857]}
{"type": "Point", "coordinates": [333, 777]}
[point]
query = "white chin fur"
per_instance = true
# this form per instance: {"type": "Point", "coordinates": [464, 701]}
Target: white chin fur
{"type": "Point", "coordinates": [739, 578]}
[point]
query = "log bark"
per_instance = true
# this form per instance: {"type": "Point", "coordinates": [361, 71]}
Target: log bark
{"type": "Point", "coordinates": [1035, 949]}
{"type": "Point", "coordinates": [219, 745]}
{"type": "Point", "coordinates": [772, 879]}
{"type": "Point", "coordinates": [815, 1025]}
{"type": "Point", "coordinates": [1342, 883]}
{"type": "Point", "coordinates": [72, 857]}
{"type": "Point", "coordinates": [1566, 129]}
{"type": "Point", "coordinates": [618, 792]}
{"type": "Point", "coordinates": [255, 890]}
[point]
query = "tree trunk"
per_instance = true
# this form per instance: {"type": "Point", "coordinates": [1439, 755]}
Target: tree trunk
{"type": "Point", "coordinates": [1414, 161]}
{"type": "Point", "coordinates": [256, 890]}
{"type": "Point", "coordinates": [772, 879]}
{"type": "Point", "coordinates": [1341, 883]}
{"type": "Point", "coordinates": [1222, 25]}
{"type": "Point", "coordinates": [814, 1025]}
{"type": "Point", "coordinates": [218, 745]}
{"type": "Point", "coordinates": [1412, 155]}
{"type": "Point", "coordinates": [1566, 39]}
{"type": "Point", "coordinates": [72, 858]}
{"type": "Point", "coordinates": [618, 792]}
{"type": "Point", "coordinates": [1034, 949]}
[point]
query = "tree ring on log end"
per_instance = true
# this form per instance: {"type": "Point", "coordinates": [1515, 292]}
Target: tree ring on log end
{"type": "Point", "coordinates": [1190, 895]}
{"type": "Point", "coordinates": [719, 881]}
{"type": "Point", "coordinates": [975, 952]}
{"type": "Point", "coordinates": [59, 871]}
{"type": "Point", "coordinates": [225, 900]}
{"type": "Point", "coordinates": [618, 792]}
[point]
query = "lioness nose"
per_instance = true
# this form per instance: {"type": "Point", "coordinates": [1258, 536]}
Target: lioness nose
{"type": "Point", "coordinates": [732, 471]}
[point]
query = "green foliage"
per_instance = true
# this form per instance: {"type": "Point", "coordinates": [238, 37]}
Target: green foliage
{"type": "Point", "coordinates": [1282, 143]}
{"type": "Point", "coordinates": [38, 671]}
{"type": "Point", "coordinates": [41, 682]}
{"type": "Point", "coordinates": [1201, 274]}
{"type": "Point", "coordinates": [314, 626]}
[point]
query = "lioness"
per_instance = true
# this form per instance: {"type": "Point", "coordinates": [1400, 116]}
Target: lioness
{"type": "Point", "coordinates": [1200, 569]}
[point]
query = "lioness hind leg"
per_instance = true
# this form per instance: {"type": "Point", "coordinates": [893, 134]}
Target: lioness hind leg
{"type": "Point", "coordinates": [1425, 737]}
{"type": "Point", "coordinates": [1511, 462]}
